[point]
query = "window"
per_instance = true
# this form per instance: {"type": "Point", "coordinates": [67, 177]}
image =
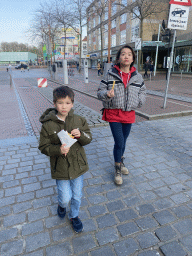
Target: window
{"type": "Point", "coordinates": [105, 27]}
{"type": "Point", "coordinates": [123, 18]}
{"type": "Point", "coordinates": [113, 24]}
{"type": "Point", "coordinates": [93, 22]}
{"type": "Point", "coordinates": [134, 33]}
{"type": "Point", "coordinates": [113, 40]}
{"type": "Point", "coordinates": [124, 2]}
{"type": "Point", "coordinates": [123, 37]}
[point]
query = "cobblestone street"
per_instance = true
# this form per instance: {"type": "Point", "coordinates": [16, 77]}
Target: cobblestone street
{"type": "Point", "coordinates": [150, 214]}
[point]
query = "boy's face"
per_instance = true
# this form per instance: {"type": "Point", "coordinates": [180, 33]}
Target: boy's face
{"type": "Point", "coordinates": [63, 107]}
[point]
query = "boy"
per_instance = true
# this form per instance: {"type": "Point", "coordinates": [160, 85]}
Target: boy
{"type": "Point", "coordinates": [68, 164]}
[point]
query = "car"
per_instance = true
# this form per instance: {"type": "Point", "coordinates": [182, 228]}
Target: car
{"type": "Point", "coordinates": [178, 11]}
{"type": "Point", "coordinates": [21, 66]}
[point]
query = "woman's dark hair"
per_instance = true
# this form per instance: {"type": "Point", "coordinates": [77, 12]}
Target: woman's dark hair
{"type": "Point", "coordinates": [119, 53]}
{"type": "Point", "coordinates": [62, 92]}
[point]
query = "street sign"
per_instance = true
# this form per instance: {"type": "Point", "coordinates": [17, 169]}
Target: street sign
{"type": "Point", "coordinates": [138, 44]}
{"type": "Point", "coordinates": [181, 2]}
{"type": "Point", "coordinates": [178, 17]}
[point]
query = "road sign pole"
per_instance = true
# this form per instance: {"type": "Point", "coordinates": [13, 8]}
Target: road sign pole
{"type": "Point", "coordinates": [169, 71]}
{"type": "Point", "coordinates": [157, 49]}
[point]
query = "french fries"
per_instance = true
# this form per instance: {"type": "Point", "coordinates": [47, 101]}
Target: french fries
{"type": "Point", "coordinates": [113, 85]}
{"type": "Point", "coordinates": [70, 135]}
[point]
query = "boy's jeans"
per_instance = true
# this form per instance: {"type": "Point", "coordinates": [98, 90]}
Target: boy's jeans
{"type": "Point", "coordinates": [70, 190]}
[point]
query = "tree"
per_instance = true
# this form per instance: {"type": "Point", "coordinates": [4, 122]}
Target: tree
{"type": "Point", "coordinates": [98, 9]}
{"type": "Point", "coordinates": [78, 18]}
{"type": "Point", "coordinates": [141, 10]}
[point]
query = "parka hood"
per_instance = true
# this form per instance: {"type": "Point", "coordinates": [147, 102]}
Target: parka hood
{"type": "Point", "coordinates": [50, 115]}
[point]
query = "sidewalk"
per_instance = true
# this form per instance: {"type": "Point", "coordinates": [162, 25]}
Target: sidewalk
{"type": "Point", "coordinates": [149, 215]}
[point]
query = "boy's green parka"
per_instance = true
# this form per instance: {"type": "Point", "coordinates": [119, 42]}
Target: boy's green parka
{"type": "Point", "coordinates": [74, 164]}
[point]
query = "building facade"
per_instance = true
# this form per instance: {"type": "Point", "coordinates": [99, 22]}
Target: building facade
{"type": "Point", "coordinates": [17, 57]}
{"type": "Point", "coordinates": [126, 28]}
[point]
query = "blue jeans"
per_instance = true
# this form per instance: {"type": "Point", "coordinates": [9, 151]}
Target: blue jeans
{"type": "Point", "coordinates": [120, 132]}
{"type": "Point", "coordinates": [70, 190]}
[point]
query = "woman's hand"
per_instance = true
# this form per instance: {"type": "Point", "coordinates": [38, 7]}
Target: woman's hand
{"type": "Point", "coordinates": [110, 93]}
{"type": "Point", "coordinates": [76, 133]}
{"type": "Point", "coordinates": [64, 149]}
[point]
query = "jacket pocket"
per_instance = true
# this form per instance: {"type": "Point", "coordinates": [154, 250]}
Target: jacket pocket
{"type": "Point", "coordinates": [54, 138]}
{"type": "Point", "coordinates": [133, 97]}
{"type": "Point", "coordinates": [81, 159]}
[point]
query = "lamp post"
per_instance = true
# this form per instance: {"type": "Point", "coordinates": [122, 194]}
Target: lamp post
{"type": "Point", "coordinates": [109, 31]}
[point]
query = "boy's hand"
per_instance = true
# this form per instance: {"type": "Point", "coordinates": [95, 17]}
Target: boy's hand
{"type": "Point", "coordinates": [110, 93]}
{"type": "Point", "coordinates": [64, 149]}
{"type": "Point", "coordinates": [76, 133]}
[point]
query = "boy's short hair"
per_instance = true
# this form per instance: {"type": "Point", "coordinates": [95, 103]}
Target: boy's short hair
{"type": "Point", "coordinates": [63, 92]}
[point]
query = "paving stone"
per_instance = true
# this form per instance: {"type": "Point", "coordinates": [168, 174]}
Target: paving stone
{"type": "Point", "coordinates": [163, 192]}
{"type": "Point", "coordinates": [180, 198]}
{"type": "Point", "coordinates": [165, 233]}
{"type": "Point", "coordinates": [6, 178]}
{"type": "Point", "coordinates": [21, 175]}
{"type": "Point", "coordinates": [147, 240]}
{"type": "Point", "coordinates": [13, 191]}
{"type": "Point", "coordinates": [14, 219]}
{"type": "Point", "coordinates": [113, 195]}
{"type": "Point", "coordinates": [31, 187]}
{"type": "Point", "coordinates": [31, 228]}
{"type": "Point", "coordinates": [94, 190]}
{"type": "Point", "coordinates": [7, 201]}
{"type": "Point", "coordinates": [44, 177]}
{"type": "Point", "coordinates": [29, 180]}
{"type": "Point", "coordinates": [146, 223]}
{"type": "Point", "coordinates": [97, 210]}
{"type": "Point", "coordinates": [143, 187]}
{"type": "Point", "coordinates": [97, 199]}
{"type": "Point", "coordinates": [107, 220]}
{"type": "Point", "coordinates": [95, 181]}
{"type": "Point", "coordinates": [25, 197]}
{"type": "Point", "coordinates": [173, 248]}
{"type": "Point", "coordinates": [21, 207]}
{"type": "Point", "coordinates": [89, 225]}
{"type": "Point", "coordinates": [182, 211]}
{"type": "Point", "coordinates": [62, 233]}
{"type": "Point", "coordinates": [59, 249]}
{"type": "Point", "coordinates": [36, 241]}
{"type": "Point", "coordinates": [54, 221]}
{"type": "Point", "coordinates": [12, 248]}
{"type": "Point", "coordinates": [5, 211]}
{"type": "Point", "coordinates": [11, 183]}
{"type": "Point", "coordinates": [132, 200]}
{"type": "Point", "coordinates": [124, 215]}
{"type": "Point", "coordinates": [36, 253]}
{"type": "Point", "coordinates": [38, 203]}
{"type": "Point", "coordinates": [170, 180]}
{"type": "Point", "coordinates": [37, 173]}
{"type": "Point", "coordinates": [126, 247]}
{"type": "Point", "coordinates": [187, 242]}
{"type": "Point", "coordinates": [145, 209]}
{"type": "Point", "coordinates": [8, 234]}
{"type": "Point", "coordinates": [38, 214]}
{"type": "Point", "coordinates": [114, 206]}
{"type": "Point", "coordinates": [48, 183]}
{"type": "Point", "coordinates": [128, 229]}
{"type": "Point", "coordinates": [149, 253]}
{"type": "Point", "coordinates": [24, 169]}
{"type": "Point", "coordinates": [83, 243]}
{"type": "Point", "coordinates": [164, 217]}
{"type": "Point", "coordinates": [44, 192]}
{"type": "Point", "coordinates": [164, 203]}
{"type": "Point", "coordinates": [107, 236]}
{"type": "Point", "coordinates": [106, 250]}
{"type": "Point", "coordinates": [184, 226]}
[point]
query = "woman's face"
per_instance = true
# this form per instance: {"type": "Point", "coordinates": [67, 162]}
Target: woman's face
{"type": "Point", "coordinates": [126, 57]}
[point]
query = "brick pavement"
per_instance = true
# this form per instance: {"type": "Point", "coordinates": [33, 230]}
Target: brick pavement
{"type": "Point", "coordinates": [150, 214]}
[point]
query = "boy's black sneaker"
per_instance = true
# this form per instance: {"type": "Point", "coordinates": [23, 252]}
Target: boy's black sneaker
{"type": "Point", "coordinates": [77, 224]}
{"type": "Point", "coordinates": [61, 211]}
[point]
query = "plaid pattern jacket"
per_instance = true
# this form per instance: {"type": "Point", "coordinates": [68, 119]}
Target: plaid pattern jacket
{"type": "Point", "coordinates": [127, 99]}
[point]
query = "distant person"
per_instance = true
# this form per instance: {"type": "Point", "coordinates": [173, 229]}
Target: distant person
{"type": "Point", "coordinates": [146, 68]}
{"type": "Point", "coordinates": [121, 91]}
{"type": "Point", "coordinates": [68, 164]}
{"type": "Point", "coordinates": [77, 66]}
{"type": "Point", "coordinates": [9, 67]}
{"type": "Point", "coordinates": [99, 68]}
{"type": "Point", "coordinates": [151, 68]}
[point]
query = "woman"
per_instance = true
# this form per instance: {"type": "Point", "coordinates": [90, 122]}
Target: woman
{"type": "Point", "coordinates": [121, 91]}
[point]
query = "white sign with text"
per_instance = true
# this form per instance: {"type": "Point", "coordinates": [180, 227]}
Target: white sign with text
{"type": "Point", "coordinates": [178, 17]}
